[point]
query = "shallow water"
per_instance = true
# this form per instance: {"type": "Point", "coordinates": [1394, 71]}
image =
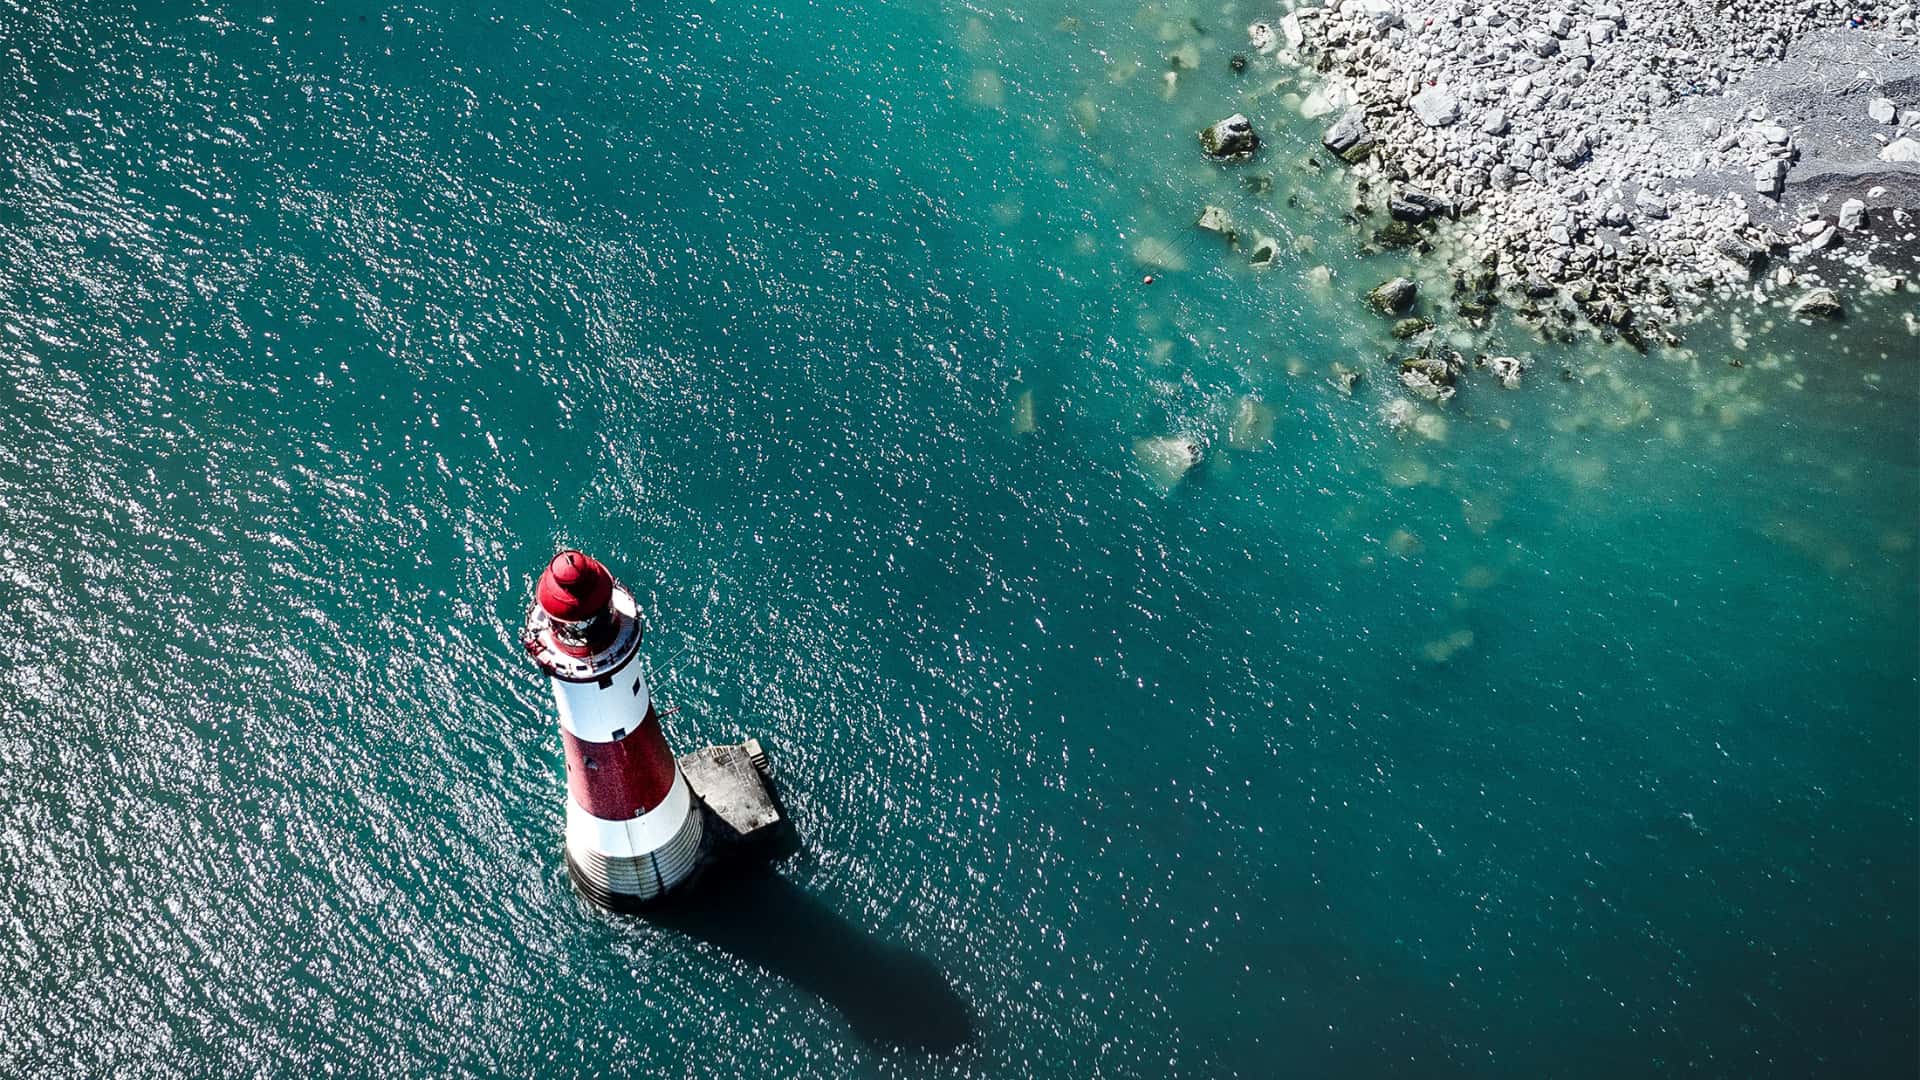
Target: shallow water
{"type": "Point", "coordinates": [1571, 734]}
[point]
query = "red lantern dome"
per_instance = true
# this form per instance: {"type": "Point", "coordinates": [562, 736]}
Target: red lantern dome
{"type": "Point", "coordinates": [575, 587]}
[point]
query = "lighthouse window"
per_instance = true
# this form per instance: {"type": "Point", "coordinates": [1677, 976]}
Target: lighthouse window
{"type": "Point", "coordinates": [592, 765]}
{"type": "Point", "coordinates": [579, 634]}
{"type": "Point", "coordinates": [636, 688]}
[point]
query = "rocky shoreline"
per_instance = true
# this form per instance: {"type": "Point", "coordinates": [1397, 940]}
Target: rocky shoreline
{"type": "Point", "coordinates": [1619, 159]}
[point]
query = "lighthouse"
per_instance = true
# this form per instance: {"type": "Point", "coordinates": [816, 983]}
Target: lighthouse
{"type": "Point", "coordinates": [635, 827]}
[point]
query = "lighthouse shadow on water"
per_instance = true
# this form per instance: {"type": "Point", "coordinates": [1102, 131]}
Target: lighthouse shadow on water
{"type": "Point", "coordinates": [890, 995]}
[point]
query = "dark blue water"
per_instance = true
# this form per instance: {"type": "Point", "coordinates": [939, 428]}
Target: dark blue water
{"type": "Point", "coordinates": [1572, 733]}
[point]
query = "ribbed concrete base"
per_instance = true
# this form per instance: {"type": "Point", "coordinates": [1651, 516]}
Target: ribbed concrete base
{"type": "Point", "coordinates": [735, 818]}
{"type": "Point", "coordinates": [625, 883]}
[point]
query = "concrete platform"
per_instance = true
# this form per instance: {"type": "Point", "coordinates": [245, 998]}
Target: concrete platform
{"type": "Point", "coordinates": [744, 819]}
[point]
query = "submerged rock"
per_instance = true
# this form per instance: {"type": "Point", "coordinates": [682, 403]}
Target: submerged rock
{"type": "Point", "coordinates": [1441, 650]}
{"type": "Point", "coordinates": [1330, 97]}
{"type": "Point", "coordinates": [1477, 307]}
{"type": "Point", "coordinates": [1265, 249]}
{"type": "Point", "coordinates": [1159, 254]}
{"type": "Point", "coordinates": [1398, 234]}
{"type": "Point", "coordinates": [1407, 328]}
{"type": "Point", "coordinates": [1252, 425]}
{"type": "Point", "coordinates": [1343, 378]}
{"type": "Point", "coordinates": [1086, 114]}
{"type": "Point", "coordinates": [1393, 297]}
{"type": "Point", "coordinates": [1819, 304]}
{"type": "Point", "coordinates": [1399, 413]}
{"type": "Point", "coordinates": [1024, 421]}
{"type": "Point", "coordinates": [1166, 459]}
{"type": "Point", "coordinates": [1232, 139]}
{"type": "Point", "coordinates": [1431, 427]}
{"type": "Point", "coordinates": [987, 89]}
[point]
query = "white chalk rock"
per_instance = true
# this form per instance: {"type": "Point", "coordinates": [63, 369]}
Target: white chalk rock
{"type": "Point", "coordinates": [1572, 149]}
{"type": "Point", "coordinates": [1435, 106]}
{"type": "Point", "coordinates": [1907, 150]}
{"type": "Point", "coordinates": [1290, 30]}
{"type": "Point", "coordinates": [1508, 370]}
{"type": "Point", "coordinates": [1819, 304]}
{"type": "Point", "coordinates": [1881, 111]}
{"type": "Point", "coordinates": [1327, 98]}
{"type": "Point", "coordinates": [1214, 220]}
{"type": "Point", "coordinates": [1495, 122]}
{"type": "Point", "coordinates": [1853, 215]}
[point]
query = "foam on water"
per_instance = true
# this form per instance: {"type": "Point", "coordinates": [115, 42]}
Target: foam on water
{"type": "Point", "coordinates": [1563, 730]}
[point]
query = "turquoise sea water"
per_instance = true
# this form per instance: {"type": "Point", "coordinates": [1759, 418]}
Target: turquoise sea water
{"type": "Point", "coordinates": [1572, 735]}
